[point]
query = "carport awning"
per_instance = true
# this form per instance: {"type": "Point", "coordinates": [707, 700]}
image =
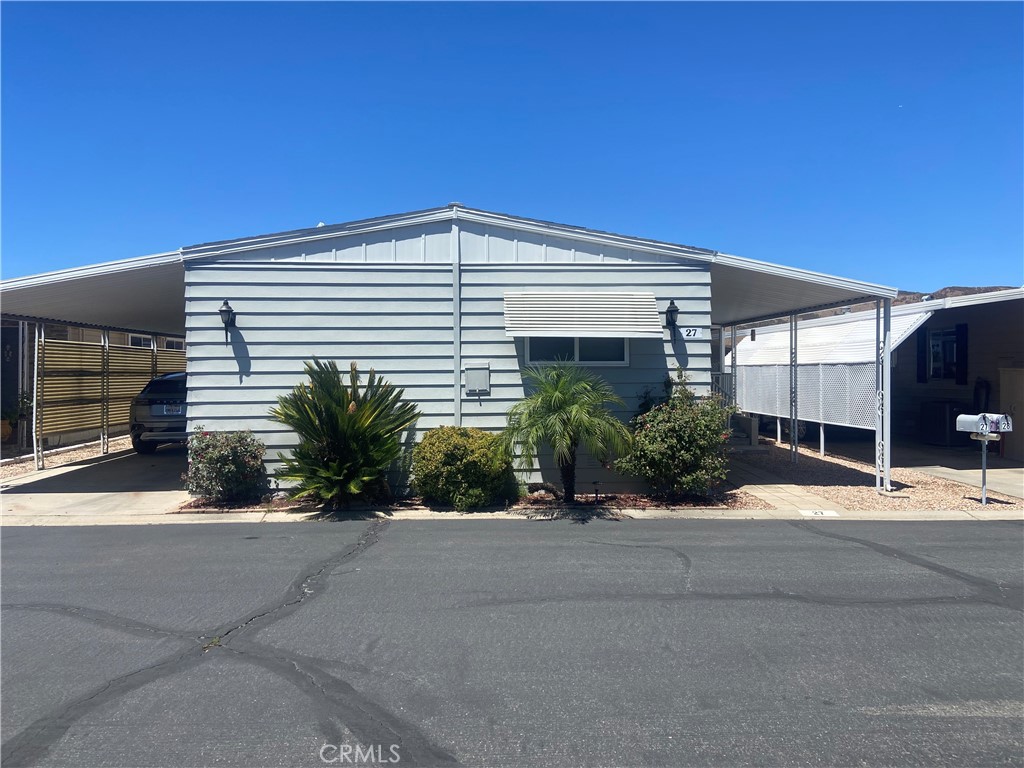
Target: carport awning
{"type": "Point", "coordinates": [841, 339]}
{"type": "Point", "coordinates": [583, 315]}
{"type": "Point", "coordinates": [145, 294]}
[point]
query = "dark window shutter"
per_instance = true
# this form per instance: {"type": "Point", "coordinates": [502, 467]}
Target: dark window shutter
{"type": "Point", "coordinates": [922, 356]}
{"type": "Point", "coordinates": [961, 353]}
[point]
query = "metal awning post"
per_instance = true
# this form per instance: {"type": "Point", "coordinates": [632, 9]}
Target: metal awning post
{"type": "Point", "coordinates": [25, 359]}
{"type": "Point", "coordinates": [821, 413]}
{"type": "Point", "coordinates": [733, 368]}
{"type": "Point", "coordinates": [879, 397]}
{"type": "Point", "coordinates": [105, 393]}
{"type": "Point", "coordinates": [794, 440]}
{"type": "Point", "coordinates": [887, 394]}
{"type": "Point", "coordinates": [37, 396]}
{"type": "Point", "coordinates": [721, 357]}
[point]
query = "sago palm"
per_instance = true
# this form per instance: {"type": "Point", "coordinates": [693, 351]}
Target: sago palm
{"type": "Point", "coordinates": [567, 408]}
{"type": "Point", "coordinates": [348, 435]}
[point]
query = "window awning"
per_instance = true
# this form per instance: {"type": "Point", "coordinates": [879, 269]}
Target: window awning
{"type": "Point", "coordinates": [583, 315]}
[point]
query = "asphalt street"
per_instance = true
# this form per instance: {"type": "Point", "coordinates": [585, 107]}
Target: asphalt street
{"type": "Point", "coordinates": [506, 643]}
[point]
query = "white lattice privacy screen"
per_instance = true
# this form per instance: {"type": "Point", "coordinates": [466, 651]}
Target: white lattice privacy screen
{"type": "Point", "coordinates": [838, 393]}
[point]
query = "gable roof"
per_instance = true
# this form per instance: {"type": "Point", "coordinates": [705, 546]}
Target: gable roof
{"type": "Point", "coordinates": [147, 293]}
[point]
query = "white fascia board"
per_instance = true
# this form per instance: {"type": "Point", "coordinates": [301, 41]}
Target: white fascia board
{"type": "Point", "coordinates": [793, 273]}
{"type": "Point", "coordinates": [983, 298]}
{"type": "Point", "coordinates": [91, 270]}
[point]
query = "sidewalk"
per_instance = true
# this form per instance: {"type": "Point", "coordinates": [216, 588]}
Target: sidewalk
{"type": "Point", "coordinates": [129, 489]}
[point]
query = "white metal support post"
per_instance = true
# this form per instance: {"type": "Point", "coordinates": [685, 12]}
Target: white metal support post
{"type": "Point", "coordinates": [37, 395]}
{"type": "Point", "coordinates": [879, 397]}
{"type": "Point", "coordinates": [887, 394]}
{"type": "Point", "coordinates": [721, 360]}
{"type": "Point", "coordinates": [733, 368]}
{"type": "Point", "coordinates": [821, 411]}
{"type": "Point", "coordinates": [25, 359]}
{"type": "Point", "coordinates": [105, 393]}
{"type": "Point", "coordinates": [794, 439]}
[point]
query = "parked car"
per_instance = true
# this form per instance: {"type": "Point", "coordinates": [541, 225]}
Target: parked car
{"type": "Point", "coordinates": [157, 414]}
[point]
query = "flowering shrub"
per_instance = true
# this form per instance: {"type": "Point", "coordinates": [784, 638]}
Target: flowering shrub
{"type": "Point", "coordinates": [225, 466]}
{"type": "Point", "coordinates": [679, 446]}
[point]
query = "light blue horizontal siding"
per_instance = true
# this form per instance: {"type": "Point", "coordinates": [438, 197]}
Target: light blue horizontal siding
{"type": "Point", "coordinates": [396, 318]}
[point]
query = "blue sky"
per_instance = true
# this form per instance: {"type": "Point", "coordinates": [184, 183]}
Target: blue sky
{"type": "Point", "coordinates": [878, 141]}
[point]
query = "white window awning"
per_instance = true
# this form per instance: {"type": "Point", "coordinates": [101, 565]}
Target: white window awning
{"type": "Point", "coordinates": [583, 315]}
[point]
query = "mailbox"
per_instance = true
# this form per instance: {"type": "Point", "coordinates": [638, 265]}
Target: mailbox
{"type": "Point", "coordinates": [984, 427]}
{"type": "Point", "coordinates": [984, 423]}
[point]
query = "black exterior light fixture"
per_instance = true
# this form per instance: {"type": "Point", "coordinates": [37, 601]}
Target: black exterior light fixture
{"type": "Point", "coordinates": [227, 316]}
{"type": "Point", "coordinates": [753, 334]}
{"type": "Point", "coordinates": [671, 315]}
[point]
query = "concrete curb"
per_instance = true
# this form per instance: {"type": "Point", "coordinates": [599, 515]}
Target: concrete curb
{"type": "Point", "coordinates": [623, 516]}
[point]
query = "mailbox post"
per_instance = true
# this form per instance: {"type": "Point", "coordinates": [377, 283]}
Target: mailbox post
{"type": "Point", "coordinates": [986, 427]}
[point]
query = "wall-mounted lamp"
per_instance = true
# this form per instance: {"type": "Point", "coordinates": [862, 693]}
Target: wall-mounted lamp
{"type": "Point", "coordinates": [753, 334]}
{"type": "Point", "coordinates": [227, 316]}
{"type": "Point", "coordinates": [671, 315]}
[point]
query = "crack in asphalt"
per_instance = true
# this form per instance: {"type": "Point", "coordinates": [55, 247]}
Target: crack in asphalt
{"type": "Point", "coordinates": [984, 590]}
{"type": "Point", "coordinates": [103, 618]}
{"type": "Point", "coordinates": [334, 700]}
{"type": "Point", "coordinates": [680, 555]}
{"type": "Point", "coordinates": [773, 594]}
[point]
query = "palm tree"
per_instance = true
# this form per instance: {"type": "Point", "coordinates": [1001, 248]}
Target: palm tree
{"type": "Point", "coordinates": [567, 409]}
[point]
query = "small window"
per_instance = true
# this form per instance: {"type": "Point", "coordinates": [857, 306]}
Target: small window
{"type": "Point", "coordinates": [134, 340]}
{"type": "Point", "coordinates": [176, 344]}
{"type": "Point", "coordinates": [942, 354]}
{"type": "Point", "coordinates": [585, 351]}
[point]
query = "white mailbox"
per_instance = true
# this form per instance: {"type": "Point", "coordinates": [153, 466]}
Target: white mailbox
{"type": "Point", "coordinates": [984, 423]}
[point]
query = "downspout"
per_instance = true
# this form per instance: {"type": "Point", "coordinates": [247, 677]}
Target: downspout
{"type": "Point", "coordinates": [455, 252]}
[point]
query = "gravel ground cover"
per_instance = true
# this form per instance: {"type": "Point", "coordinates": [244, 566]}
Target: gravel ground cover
{"type": "Point", "coordinates": [26, 464]}
{"type": "Point", "coordinates": [851, 483]}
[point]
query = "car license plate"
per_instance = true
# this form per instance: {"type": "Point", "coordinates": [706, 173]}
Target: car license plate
{"type": "Point", "coordinates": [172, 410]}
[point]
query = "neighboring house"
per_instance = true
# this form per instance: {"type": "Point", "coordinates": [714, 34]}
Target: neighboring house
{"type": "Point", "coordinates": [450, 303]}
{"type": "Point", "coordinates": [963, 354]}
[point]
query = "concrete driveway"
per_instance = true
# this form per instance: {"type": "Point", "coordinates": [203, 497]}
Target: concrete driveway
{"type": "Point", "coordinates": [118, 485]}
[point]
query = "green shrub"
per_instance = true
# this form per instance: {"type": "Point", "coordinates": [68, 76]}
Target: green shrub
{"type": "Point", "coordinates": [349, 435]}
{"type": "Point", "coordinates": [679, 445]}
{"type": "Point", "coordinates": [225, 467]}
{"type": "Point", "coordinates": [464, 467]}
